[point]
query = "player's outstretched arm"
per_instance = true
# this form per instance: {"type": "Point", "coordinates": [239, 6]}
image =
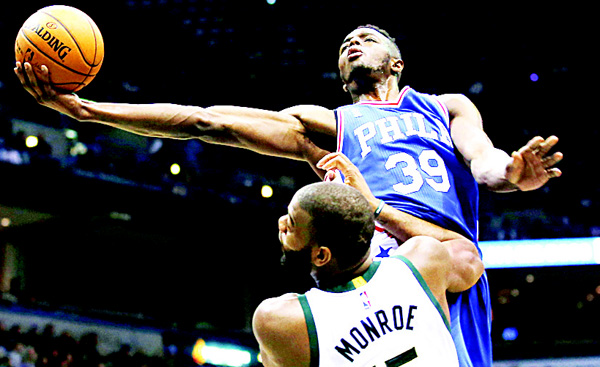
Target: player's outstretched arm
{"type": "Point", "coordinates": [266, 132]}
{"type": "Point", "coordinates": [529, 168]}
{"type": "Point", "coordinates": [400, 224]}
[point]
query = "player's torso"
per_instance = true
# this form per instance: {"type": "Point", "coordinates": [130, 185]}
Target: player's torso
{"type": "Point", "coordinates": [406, 155]}
{"type": "Point", "coordinates": [384, 316]}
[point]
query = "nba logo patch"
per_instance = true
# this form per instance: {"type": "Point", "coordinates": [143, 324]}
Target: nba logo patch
{"type": "Point", "coordinates": [365, 300]}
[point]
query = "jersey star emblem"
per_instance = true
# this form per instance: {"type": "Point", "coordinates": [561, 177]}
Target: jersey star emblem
{"type": "Point", "coordinates": [384, 252]}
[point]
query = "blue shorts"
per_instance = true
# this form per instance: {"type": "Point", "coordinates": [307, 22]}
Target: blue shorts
{"type": "Point", "coordinates": [471, 324]}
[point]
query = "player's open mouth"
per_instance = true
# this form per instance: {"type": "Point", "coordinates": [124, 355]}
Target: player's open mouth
{"type": "Point", "coordinates": [354, 53]}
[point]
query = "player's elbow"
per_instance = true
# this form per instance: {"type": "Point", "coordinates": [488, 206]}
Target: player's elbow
{"type": "Point", "coordinates": [467, 265]}
{"type": "Point", "coordinates": [473, 270]}
{"type": "Point", "coordinates": [205, 124]}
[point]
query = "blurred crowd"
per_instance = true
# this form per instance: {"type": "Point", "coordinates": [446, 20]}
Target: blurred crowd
{"type": "Point", "coordinates": [45, 347]}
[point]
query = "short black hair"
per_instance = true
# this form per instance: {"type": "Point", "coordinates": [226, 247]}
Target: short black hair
{"type": "Point", "coordinates": [341, 219]}
{"type": "Point", "coordinates": [385, 34]}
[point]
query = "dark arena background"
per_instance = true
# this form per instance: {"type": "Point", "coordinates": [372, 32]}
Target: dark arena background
{"type": "Point", "coordinates": [112, 254]}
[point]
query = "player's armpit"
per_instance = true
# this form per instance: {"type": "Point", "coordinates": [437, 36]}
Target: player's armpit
{"type": "Point", "coordinates": [265, 132]}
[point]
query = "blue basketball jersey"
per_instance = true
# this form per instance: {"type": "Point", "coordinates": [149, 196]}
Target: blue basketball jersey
{"type": "Point", "coordinates": [405, 152]}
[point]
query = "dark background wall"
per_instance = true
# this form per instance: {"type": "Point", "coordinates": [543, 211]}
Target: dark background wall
{"type": "Point", "coordinates": [201, 247]}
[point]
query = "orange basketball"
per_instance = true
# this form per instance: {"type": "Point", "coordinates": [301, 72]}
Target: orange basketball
{"type": "Point", "coordinates": [64, 39]}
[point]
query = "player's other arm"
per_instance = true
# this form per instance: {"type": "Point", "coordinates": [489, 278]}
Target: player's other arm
{"type": "Point", "coordinates": [280, 329]}
{"type": "Point", "coordinates": [449, 266]}
{"type": "Point", "coordinates": [266, 132]}
{"type": "Point", "coordinates": [400, 224]}
{"type": "Point", "coordinates": [526, 169]}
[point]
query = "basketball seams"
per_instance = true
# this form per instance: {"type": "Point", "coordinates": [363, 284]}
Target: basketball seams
{"type": "Point", "coordinates": [70, 73]}
{"type": "Point", "coordinates": [93, 28]}
{"type": "Point", "coordinates": [56, 62]}
{"type": "Point", "coordinates": [75, 41]}
{"type": "Point", "coordinates": [95, 41]}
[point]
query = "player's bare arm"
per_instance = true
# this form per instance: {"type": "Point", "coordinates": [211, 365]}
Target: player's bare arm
{"type": "Point", "coordinates": [266, 132]}
{"type": "Point", "coordinates": [529, 168]}
{"type": "Point", "coordinates": [315, 118]}
{"type": "Point", "coordinates": [445, 267]}
{"type": "Point", "coordinates": [280, 329]}
{"type": "Point", "coordinates": [400, 224]}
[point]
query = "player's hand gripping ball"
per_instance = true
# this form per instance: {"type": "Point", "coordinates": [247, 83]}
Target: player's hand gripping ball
{"type": "Point", "coordinates": [67, 41]}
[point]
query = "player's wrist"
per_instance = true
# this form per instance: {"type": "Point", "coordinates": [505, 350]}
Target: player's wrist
{"type": "Point", "coordinates": [379, 208]}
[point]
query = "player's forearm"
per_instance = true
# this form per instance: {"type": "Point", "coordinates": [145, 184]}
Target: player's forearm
{"type": "Point", "coordinates": [161, 120]}
{"type": "Point", "coordinates": [489, 170]}
{"type": "Point", "coordinates": [265, 132]}
{"type": "Point", "coordinates": [403, 226]}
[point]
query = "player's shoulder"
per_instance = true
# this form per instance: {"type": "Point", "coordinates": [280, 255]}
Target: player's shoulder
{"type": "Point", "coordinates": [279, 318]}
{"type": "Point", "coordinates": [278, 308]}
{"type": "Point", "coordinates": [453, 99]}
{"type": "Point", "coordinates": [280, 328]}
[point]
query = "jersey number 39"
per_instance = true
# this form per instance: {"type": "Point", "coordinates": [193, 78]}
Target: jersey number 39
{"type": "Point", "coordinates": [428, 168]}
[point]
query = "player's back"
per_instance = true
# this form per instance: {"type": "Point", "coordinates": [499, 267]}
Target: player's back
{"type": "Point", "coordinates": [386, 316]}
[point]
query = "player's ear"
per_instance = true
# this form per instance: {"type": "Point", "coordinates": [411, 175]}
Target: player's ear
{"type": "Point", "coordinates": [321, 256]}
{"type": "Point", "coordinates": [345, 88]}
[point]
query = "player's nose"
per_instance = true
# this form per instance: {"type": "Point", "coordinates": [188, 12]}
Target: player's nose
{"type": "Point", "coordinates": [281, 223]}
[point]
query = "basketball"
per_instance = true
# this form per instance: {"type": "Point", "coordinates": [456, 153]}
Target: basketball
{"type": "Point", "coordinates": [67, 41]}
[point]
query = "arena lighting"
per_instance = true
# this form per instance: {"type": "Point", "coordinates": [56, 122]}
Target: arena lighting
{"type": "Point", "coordinates": [544, 252]}
{"type": "Point", "coordinates": [266, 191]}
{"type": "Point", "coordinates": [31, 141]}
{"type": "Point", "coordinates": [510, 333]}
{"type": "Point", "coordinates": [534, 77]}
{"type": "Point", "coordinates": [175, 169]}
{"type": "Point", "coordinates": [71, 134]}
{"type": "Point", "coordinates": [220, 354]}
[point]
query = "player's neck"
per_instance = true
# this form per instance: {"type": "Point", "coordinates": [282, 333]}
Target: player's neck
{"type": "Point", "coordinates": [329, 278]}
{"type": "Point", "coordinates": [387, 90]}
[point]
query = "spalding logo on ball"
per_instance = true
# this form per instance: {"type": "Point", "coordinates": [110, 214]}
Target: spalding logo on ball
{"type": "Point", "coordinates": [67, 41]}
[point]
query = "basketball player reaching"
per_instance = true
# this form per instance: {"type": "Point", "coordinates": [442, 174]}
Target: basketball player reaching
{"type": "Point", "coordinates": [363, 312]}
{"type": "Point", "coordinates": [418, 153]}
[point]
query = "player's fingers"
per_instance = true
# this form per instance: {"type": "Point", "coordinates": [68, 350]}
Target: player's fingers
{"type": "Point", "coordinates": [323, 161]}
{"type": "Point", "coordinates": [532, 145]}
{"type": "Point", "coordinates": [535, 142]}
{"type": "Point", "coordinates": [554, 172]}
{"type": "Point", "coordinates": [329, 176]}
{"type": "Point", "coordinates": [44, 74]}
{"type": "Point", "coordinates": [31, 77]}
{"type": "Point", "coordinates": [20, 71]}
{"type": "Point", "coordinates": [552, 160]}
{"type": "Point", "coordinates": [21, 74]}
{"type": "Point", "coordinates": [547, 144]}
{"type": "Point", "coordinates": [45, 78]}
{"type": "Point", "coordinates": [332, 161]}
